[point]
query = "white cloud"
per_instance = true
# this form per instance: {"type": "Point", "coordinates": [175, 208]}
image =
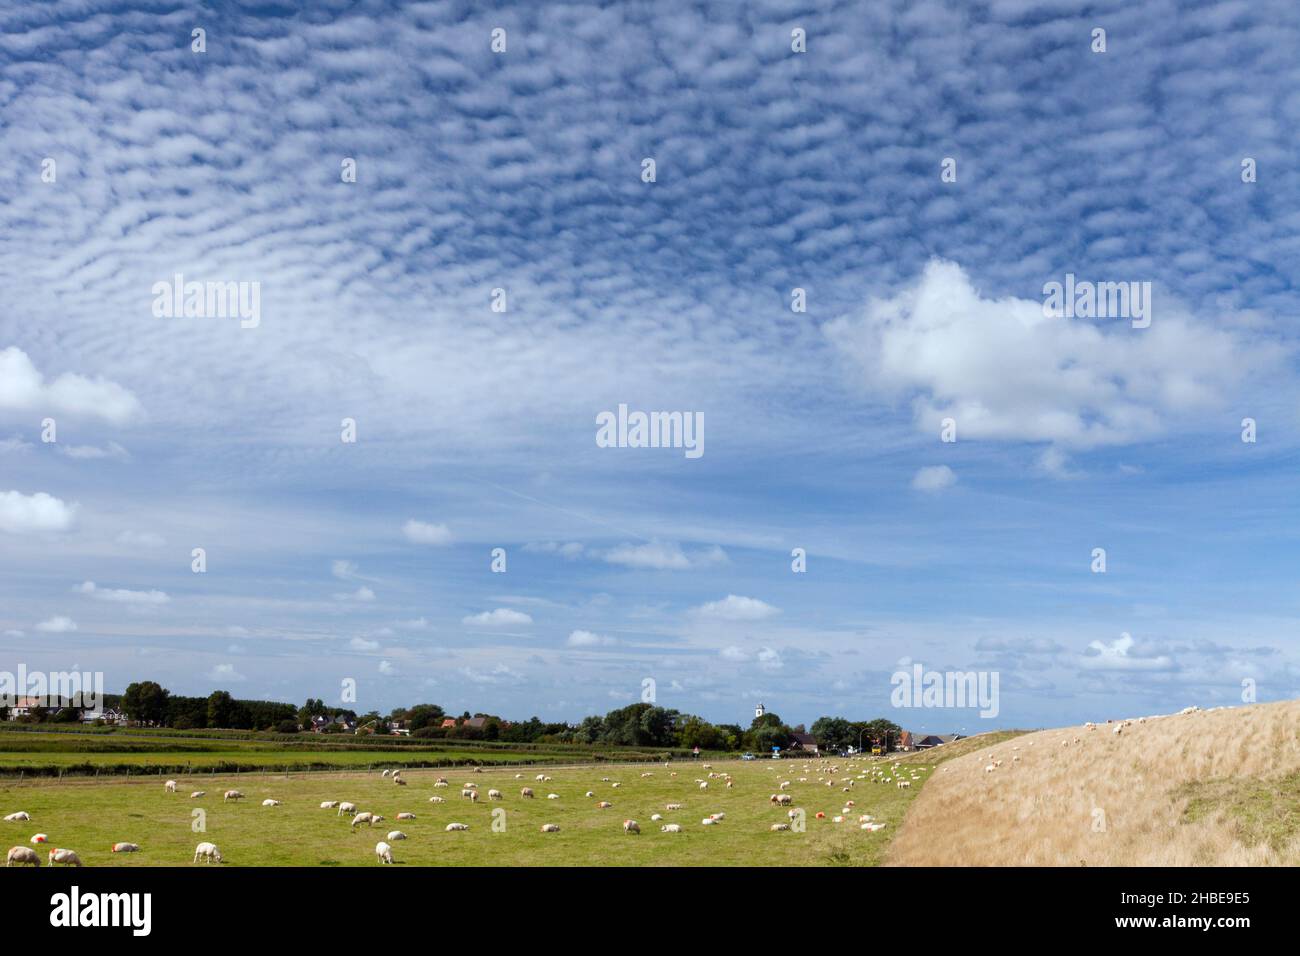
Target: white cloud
{"type": "Point", "coordinates": [415, 624]}
{"type": "Point", "coordinates": [111, 450]}
{"type": "Point", "coordinates": [363, 594]}
{"type": "Point", "coordinates": [663, 556]}
{"type": "Point", "coordinates": [934, 478]}
{"type": "Point", "coordinates": [501, 617]}
{"type": "Point", "coordinates": [1115, 656]}
{"type": "Point", "coordinates": [14, 633]}
{"type": "Point", "coordinates": [735, 608]}
{"type": "Point", "coordinates": [343, 570]}
{"type": "Point", "coordinates": [387, 669]}
{"type": "Point", "coordinates": [569, 551]}
{"type": "Point", "coordinates": [122, 596]}
{"type": "Point", "coordinates": [225, 672]}
{"type": "Point", "coordinates": [420, 532]}
{"type": "Point", "coordinates": [57, 625]}
{"type": "Point", "coordinates": [1002, 370]}
{"type": "Point", "coordinates": [770, 660]}
{"type": "Point", "coordinates": [361, 644]}
{"type": "Point", "coordinates": [733, 653]}
{"type": "Point", "coordinates": [23, 388]}
{"type": "Point", "coordinates": [25, 514]}
{"type": "Point", "coordinates": [500, 674]}
{"type": "Point", "coordinates": [588, 639]}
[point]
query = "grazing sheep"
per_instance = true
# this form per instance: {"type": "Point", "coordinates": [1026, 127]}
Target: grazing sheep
{"type": "Point", "coordinates": [451, 827]}
{"type": "Point", "coordinates": [124, 848]}
{"type": "Point", "coordinates": [989, 769]}
{"type": "Point", "coordinates": [268, 802]}
{"type": "Point", "coordinates": [385, 773]}
{"type": "Point", "coordinates": [208, 851]}
{"type": "Point", "coordinates": [22, 856]}
{"type": "Point", "coordinates": [170, 786]}
{"type": "Point", "coordinates": [782, 799]}
{"type": "Point", "coordinates": [197, 794]}
{"type": "Point", "coordinates": [779, 827]}
{"type": "Point", "coordinates": [346, 807]}
{"type": "Point", "coordinates": [550, 828]}
{"type": "Point", "coordinates": [615, 785]}
{"type": "Point", "coordinates": [671, 828]}
{"type": "Point", "coordinates": [399, 781]}
{"type": "Point", "coordinates": [552, 796]}
{"type": "Point", "coordinates": [441, 783]}
{"type": "Point", "coordinates": [18, 817]}
{"type": "Point", "coordinates": [604, 805]}
{"type": "Point", "coordinates": [437, 799]}
{"type": "Point", "coordinates": [526, 793]}
{"type": "Point", "coordinates": [66, 857]}
{"type": "Point", "coordinates": [785, 785]}
{"type": "Point", "coordinates": [872, 827]}
{"type": "Point", "coordinates": [39, 838]}
{"type": "Point", "coordinates": [591, 793]}
{"type": "Point", "coordinates": [672, 806]}
{"type": "Point", "coordinates": [540, 777]}
{"type": "Point", "coordinates": [904, 785]}
{"type": "Point", "coordinates": [232, 795]}
{"type": "Point", "coordinates": [471, 794]}
{"type": "Point", "coordinates": [718, 816]}
{"type": "Point", "coordinates": [708, 822]}
{"type": "Point", "coordinates": [631, 826]}
{"type": "Point", "coordinates": [406, 816]}
{"type": "Point", "coordinates": [364, 817]}
{"type": "Point", "coordinates": [329, 804]}
{"type": "Point", "coordinates": [396, 835]}
{"type": "Point", "coordinates": [704, 785]}
{"type": "Point", "coordinates": [495, 795]}
{"type": "Point", "coordinates": [377, 818]}
{"type": "Point", "coordinates": [384, 852]}
{"type": "Point", "coordinates": [1119, 728]}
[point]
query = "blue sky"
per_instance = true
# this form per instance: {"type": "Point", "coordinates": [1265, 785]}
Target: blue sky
{"type": "Point", "coordinates": [522, 170]}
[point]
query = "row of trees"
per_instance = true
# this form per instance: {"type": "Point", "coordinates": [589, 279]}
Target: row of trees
{"type": "Point", "coordinates": [637, 725]}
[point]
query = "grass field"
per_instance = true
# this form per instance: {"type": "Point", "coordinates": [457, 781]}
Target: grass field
{"type": "Point", "coordinates": [88, 815]}
{"type": "Point", "coordinates": [1208, 788]}
{"type": "Point", "coordinates": [52, 752]}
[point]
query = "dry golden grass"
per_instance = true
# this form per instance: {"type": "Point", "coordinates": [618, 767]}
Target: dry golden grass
{"type": "Point", "coordinates": [1211, 788]}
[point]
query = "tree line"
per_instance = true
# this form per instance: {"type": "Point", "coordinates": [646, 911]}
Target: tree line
{"type": "Point", "coordinates": [638, 725]}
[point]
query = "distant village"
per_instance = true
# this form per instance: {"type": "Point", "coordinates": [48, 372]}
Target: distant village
{"type": "Point", "coordinates": [147, 704]}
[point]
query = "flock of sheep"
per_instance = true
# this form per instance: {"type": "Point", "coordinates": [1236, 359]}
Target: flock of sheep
{"type": "Point", "coordinates": [828, 774]}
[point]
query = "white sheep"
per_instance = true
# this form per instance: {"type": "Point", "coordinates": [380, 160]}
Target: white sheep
{"type": "Point", "coordinates": [396, 835]}
{"type": "Point", "coordinates": [208, 851]}
{"type": "Point", "coordinates": [452, 827]}
{"type": "Point", "coordinates": [779, 827]}
{"type": "Point", "coordinates": [268, 802]}
{"type": "Point", "coordinates": [66, 857]}
{"type": "Point", "coordinates": [329, 804]}
{"type": "Point", "coordinates": [18, 817]}
{"type": "Point", "coordinates": [39, 838]}
{"type": "Point", "coordinates": [399, 781]}
{"type": "Point", "coordinates": [364, 817]}
{"type": "Point", "coordinates": [550, 828]}
{"type": "Point", "coordinates": [495, 795]}
{"type": "Point", "coordinates": [631, 826]}
{"type": "Point", "coordinates": [170, 786]}
{"type": "Point", "coordinates": [197, 794]}
{"type": "Point", "coordinates": [125, 848]}
{"type": "Point", "coordinates": [437, 799]}
{"type": "Point", "coordinates": [672, 806]}
{"type": "Point", "coordinates": [232, 795]}
{"type": "Point", "coordinates": [346, 807]}
{"type": "Point", "coordinates": [385, 773]}
{"type": "Point", "coordinates": [406, 816]}
{"type": "Point", "coordinates": [22, 856]}
{"type": "Point", "coordinates": [656, 817]}
{"type": "Point", "coordinates": [604, 805]}
{"type": "Point", "coordinates": [552, 796]}
{"type": "Point", "coordinates": [383, 852]}
{"type": "Point", "coordinates": [472, 795]}
{"type": "Point", "coordinates": [708, 822]}
{"type": "Point", "coordinates": [671, 828]}
{"type": "Point", "coordinates": [526, 793]}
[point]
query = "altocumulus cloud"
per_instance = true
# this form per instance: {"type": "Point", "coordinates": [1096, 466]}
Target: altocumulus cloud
{"type": "Point", "coordinates": [57, 625]}
{"type": "Point", "coordinates": [122, 595]}
{"type": "Point", "coordinates": [934, 478]}
{"type": "Point", "coordinates": [25, 514]}
{"type": "Point", "coordinates": [501, 617]}
{"type": "Point", "coordinates": [421, 532]}
{"type": "Point", "coordinates": [736, 608]}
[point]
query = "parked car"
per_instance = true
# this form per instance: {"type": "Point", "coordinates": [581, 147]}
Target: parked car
{"type": "Point", "coordinates": [746, 756]}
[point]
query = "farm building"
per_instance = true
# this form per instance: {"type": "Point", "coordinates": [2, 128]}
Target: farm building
{"type": "Point", "coordinates": [802, 743]}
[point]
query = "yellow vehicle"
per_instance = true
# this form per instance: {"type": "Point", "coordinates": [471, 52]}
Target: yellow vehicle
{"type": "Point", "coordinates": [876, 751]}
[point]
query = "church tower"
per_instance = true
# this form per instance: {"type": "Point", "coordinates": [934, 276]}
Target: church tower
{"type": "Point", "coordinates": [759, 711]}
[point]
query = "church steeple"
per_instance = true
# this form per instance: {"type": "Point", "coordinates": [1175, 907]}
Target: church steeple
{"type": "Point", "coordinates": [759, 711]}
